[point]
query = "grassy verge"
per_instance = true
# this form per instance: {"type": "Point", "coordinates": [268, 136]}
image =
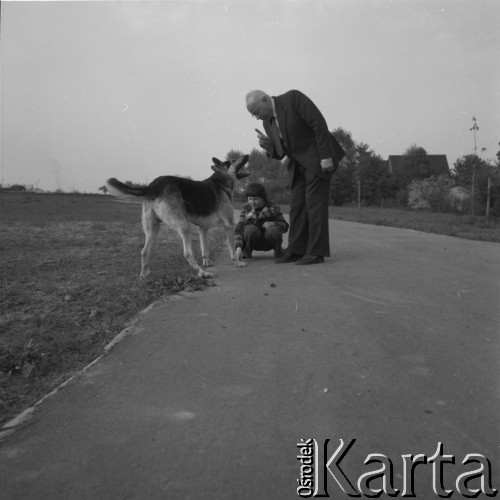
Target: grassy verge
{"type": "Point", "coordinates": [69, 268]}
{"type": "Point", "coordinates": [461, 226]}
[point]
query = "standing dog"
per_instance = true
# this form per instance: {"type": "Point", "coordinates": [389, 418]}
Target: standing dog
{"type": "Point", "coordinates": [178, 202]}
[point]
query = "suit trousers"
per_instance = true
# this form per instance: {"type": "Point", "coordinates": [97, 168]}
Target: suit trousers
{"type": "Point", "coordinates": [309, 213]}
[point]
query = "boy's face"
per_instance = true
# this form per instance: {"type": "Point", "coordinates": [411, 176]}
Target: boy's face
{"type": "Point", "coordinates": [256, 202]}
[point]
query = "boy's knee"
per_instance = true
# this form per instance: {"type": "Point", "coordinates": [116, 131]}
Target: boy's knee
{"type": "Point", "coordinates": [274, 233]}
{"type": "Point", "coordinates": [251, 231]}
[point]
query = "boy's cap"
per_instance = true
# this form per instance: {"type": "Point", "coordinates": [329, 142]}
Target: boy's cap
{"type": "Point", "coordinates": [256, 189]}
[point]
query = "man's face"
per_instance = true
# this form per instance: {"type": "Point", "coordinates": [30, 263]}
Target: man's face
{"type": "Point", "coordinates": [256, 202]}
{"type": "Point", "coordinates": [262, 110]}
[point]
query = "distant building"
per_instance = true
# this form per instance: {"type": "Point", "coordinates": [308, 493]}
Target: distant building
{"type": "Point", "coordinates": [398, 164]}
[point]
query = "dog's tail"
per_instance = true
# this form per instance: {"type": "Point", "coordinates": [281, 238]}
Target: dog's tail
{"type": "Point", "coordinates": [117, 188]}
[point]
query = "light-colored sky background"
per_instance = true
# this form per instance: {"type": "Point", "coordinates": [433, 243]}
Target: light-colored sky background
{"type": "Point", "coordinates": [134, 90]}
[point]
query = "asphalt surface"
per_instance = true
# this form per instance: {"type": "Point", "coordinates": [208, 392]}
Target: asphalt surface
{"type": "Point", "coordinates": [393, 342]}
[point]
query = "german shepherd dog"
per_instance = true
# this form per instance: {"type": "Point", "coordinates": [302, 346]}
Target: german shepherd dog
{"type": "Point", "coordinates": [178, 202]}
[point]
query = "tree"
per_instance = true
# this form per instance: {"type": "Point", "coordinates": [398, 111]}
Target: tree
{"type": "Point", "coordinates": [362, 175]}
{"type": "Point", "coordinates": [465, 166]}
{"type": "Point", "coordinates": [233, 154]}
{"type": "Point", "coordinates": [417, 164]}
{"type": "Point", "coordinates": [471, 167]}
{"type": "Point", "coordinates": [362, 164]}
{"type": "Point", "coordinates": [376, 181]}
{"type": "Point", "coordinates": [415, 151]}
{"type": "Point", "coordinates": [343, 184]}
{"type": "Point", "coordinates": [344, 137]}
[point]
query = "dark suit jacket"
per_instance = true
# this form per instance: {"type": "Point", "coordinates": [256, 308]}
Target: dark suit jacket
{"type": "Point", "coordinates": [305, 133]}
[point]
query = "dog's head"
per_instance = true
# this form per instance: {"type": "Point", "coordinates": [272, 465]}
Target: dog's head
{"type": "Point", "coordinates": [232, 168]}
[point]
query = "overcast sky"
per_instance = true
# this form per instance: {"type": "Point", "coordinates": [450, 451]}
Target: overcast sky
{"type": "Point", "coordinates": [134, 90]}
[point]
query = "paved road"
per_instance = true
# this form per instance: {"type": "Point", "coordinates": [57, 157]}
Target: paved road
{"type": "Point", "coordinates": [394, 343]}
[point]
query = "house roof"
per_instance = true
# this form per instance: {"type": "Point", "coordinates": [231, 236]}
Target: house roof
{"type": "Point", "coordinates": [439, 163]}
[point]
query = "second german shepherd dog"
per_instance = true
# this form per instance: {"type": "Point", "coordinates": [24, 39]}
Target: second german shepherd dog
{"type": "Point", "coordinates": [178, 202]}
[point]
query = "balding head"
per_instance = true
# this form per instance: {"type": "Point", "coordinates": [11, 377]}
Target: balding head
{"type": "Point", "coordinates": [259, 104]}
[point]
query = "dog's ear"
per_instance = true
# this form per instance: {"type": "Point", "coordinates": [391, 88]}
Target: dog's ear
{"type": "Point", "coordinates": [216, 164]}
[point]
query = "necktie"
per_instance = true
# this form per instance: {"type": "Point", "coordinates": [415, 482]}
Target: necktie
{"type": "Point", "coordinates": [276, 137]}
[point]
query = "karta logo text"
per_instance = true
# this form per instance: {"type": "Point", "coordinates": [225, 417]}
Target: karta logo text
{"type": "Point", "coordinates": [318, 466]}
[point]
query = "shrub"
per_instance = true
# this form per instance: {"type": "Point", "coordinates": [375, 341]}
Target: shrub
{"type": "Point", "coordinates": [430, 193]}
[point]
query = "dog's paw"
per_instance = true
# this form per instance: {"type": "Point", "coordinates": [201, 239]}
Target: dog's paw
{"type": "Point", "coordinates": [204, 274]}
{"type": "Point", "coordinates": [206, 263]}
{"type": "Point", "coordinates": [240, 263]}
{"type": "Point", "coordinates": [145, 274]}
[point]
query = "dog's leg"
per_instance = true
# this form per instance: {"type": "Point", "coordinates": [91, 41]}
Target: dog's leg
{"type": "Point", "coordinates": [151, 226]}
{"type": "Point", "coordinates": [228, 221]}
{"type": "Point", "coordinates": [173, 213]}
{"type": "Point", "coordinates": [236, 258]}
{"type": "Point", "coordinates": [204, 247]}
{"type": "Point", "coordinates": [239, 254]}
{"type": "Point", "coordinates": [184, 230]}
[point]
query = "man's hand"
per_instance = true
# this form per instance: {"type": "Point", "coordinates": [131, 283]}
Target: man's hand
{"type": "Point", "coordinates": [327, 165]}
{"type": "Point", "coordinates": [267, 225]}
{"type": "Point", "coordinates": [264, 141]}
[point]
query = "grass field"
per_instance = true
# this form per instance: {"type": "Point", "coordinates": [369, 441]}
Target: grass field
{"type": "Point", "coordinates": [69, 272]}
{"type": "Point", "coordinates": [69, 279]}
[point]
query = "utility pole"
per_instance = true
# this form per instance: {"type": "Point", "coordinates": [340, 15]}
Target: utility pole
{"type": "Point", "coordinates": [357, 174]}
{"type": "Point", "coordinates": [488, 190]}
{"type": "Point", "coordinates": [359, 192]}
{"type": "Point", "coordinates": [488, 198]}
{"type": "Point", "coordinates": [474, 129]}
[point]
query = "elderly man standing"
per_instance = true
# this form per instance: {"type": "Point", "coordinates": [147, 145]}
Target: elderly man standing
{"type": "Point", "coordinates": [296, 128]}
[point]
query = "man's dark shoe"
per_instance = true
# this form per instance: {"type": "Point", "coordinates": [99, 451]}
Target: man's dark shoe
{"type": "Point", "coordinates": [310, 259]}
{"type": "Point", "coordinates": [288, 257]}
{"type": "Point", "coordinates": [246, 254]}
